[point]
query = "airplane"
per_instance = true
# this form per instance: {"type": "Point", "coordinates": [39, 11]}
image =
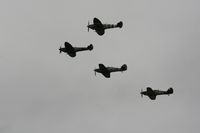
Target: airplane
{"type": "Point", "coordinates": [71, 51]}
{"type": "Point", "coordinates": [100, 28]}
{"type": "Point", "coordinates": [153, 93]}
{"type": "Point", "coordinates": [107, 70]}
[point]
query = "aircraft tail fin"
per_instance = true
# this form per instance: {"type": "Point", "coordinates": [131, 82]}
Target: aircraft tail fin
{"type": "Point", "coordinates": [124, 67]}
{"type": "Point", "coordinates": [120, 24]}
{"type": "Point", "coordinates": [90, 47]}
{"type": "Point", "coordinates": [170, 91]}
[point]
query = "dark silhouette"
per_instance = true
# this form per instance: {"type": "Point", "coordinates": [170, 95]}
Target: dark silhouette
{"type": "Point", "coordinates": [71, 51]}
{"type": "Point", "coordinates": [153, 93]}
{"type": "Point", "coordinates": [107, 70]}
{"type": "Point", "coordinates": [100, 28]}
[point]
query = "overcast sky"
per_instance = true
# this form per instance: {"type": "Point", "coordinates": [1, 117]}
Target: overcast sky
{"type": "Point", "coordinates": [42, 91]}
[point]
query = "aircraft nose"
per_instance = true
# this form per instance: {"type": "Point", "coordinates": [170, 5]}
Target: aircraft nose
{"type": "Point", "coordinates": [95, 71]}
{"type": "Point", "coordinates": [60, 49]}
{"type": "Point", "coordinates": [142, 92]}
{"type": "Point", "coordinates": [88, 27]}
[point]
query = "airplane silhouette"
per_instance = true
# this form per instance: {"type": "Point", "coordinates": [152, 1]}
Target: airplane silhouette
{"type": "Point", "coordinates": [153, 93]}
{"type": "Point", "coordinates": [100, 28]}
{"type": "Point", "coordinates": [71, 51]}
{"type": "Point", "coordinates": [107, 70]}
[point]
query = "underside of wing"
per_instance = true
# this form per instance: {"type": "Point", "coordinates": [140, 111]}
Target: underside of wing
{"type": "Point", "coordinates": [70, 50]}
{"type": "Point", "coordinates": [152, 97]}
{"type": "Point", "coordinates": [98, 26]}
{"type": "Point", "coordinates": [100, 31]}
{"type": "Point", "coordinates": [149, 90]}
{"type": "Point", "coordinates": [151, 93]}
{"type": "Point", "coordinates": [102, 67]}
{"type": "Point", "coordinates": [104, 71]}
{"type": "Point", "coordinates": [68, 45]}
{"type": "Point", "coordinates": [72, 54]}
{"type": "Point", "coordinates": [96, 21]}
{"type": "Point", "coordinates": [106, 74]}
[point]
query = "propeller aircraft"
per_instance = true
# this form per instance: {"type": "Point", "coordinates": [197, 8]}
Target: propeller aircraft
{"type": "Point", "coordinates": [153, 93]}
{"type": "Point", "coordinates": [71, 51]}
{"type": "Point", "coordinates": [100, 28]}
{"type": "Point", "coordinates": [105, 71]}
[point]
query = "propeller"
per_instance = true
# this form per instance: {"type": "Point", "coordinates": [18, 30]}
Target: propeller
{"type": "Point", "coordinates": [60, 50]}
{"type": "Point", "coordinates": [88, 26]}
{"type": "Point", "coordinates": [141, 93]}
{"type": "Point", "coordinates": [95, 73]}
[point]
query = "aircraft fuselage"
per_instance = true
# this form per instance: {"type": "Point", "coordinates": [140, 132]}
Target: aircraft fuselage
{"type": "Point", "coordinates": [109, 69]}
{"type": "Point", "coordinates": [72, 50]}
{"type": "Point", "coordinates": [102, 27]}
{"type": "Point", "coordinates": [153, 93]}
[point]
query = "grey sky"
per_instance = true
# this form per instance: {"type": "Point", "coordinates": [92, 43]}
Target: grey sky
{"type": "Point", "coordinates": [42, 91]}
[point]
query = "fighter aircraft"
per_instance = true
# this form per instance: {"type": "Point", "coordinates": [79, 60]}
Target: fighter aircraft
{"type": "Point", "coordinates": [153, 93]}
{"type": "Point", "coordinates": [71, 51]}
{"type": "Point", "coordinates": [107, 70]}
{"type": "Point", "coordinates": [100, 28]}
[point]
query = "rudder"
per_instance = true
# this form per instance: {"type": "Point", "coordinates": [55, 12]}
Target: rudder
{"type": "Point", "coordinates": [120, 24]}
{"type": "Point", "coordinates": [170, 91]}
{"type": "Point", "coordinates": [124, 67]}
{"type": "Point", "coordinates": [90, 47]}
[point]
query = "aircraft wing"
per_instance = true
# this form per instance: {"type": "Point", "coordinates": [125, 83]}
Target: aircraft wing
{"type": "Point", "coordinates": [102, 67]}
{"type": "Point", "coordinates": [152, 97]}
{"type": "Point", "coordinates": [106, 74]}
{"type": "Point", "coordinates": [104, 70]}
{"type": "Point", "coordinates": [100, 31]}
{"type": "Point", "coordinates": [96, 21]}
{"type": "Point", "coordinates": [99, 26]}
{"type": "Point", "coordinates": [68, 45]}
{"type": "Point", "coordinates": [70, 50]}
{"type": "Point", "coordinates": [149, 90]}
{"type": "Point", "coordinates": [151, 93]}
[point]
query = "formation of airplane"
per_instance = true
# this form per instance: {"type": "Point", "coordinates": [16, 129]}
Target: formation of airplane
{"type": "Point", "coordinates": [105, 71]}
{"type": "Point", "coordinates": [153, 93]}
{"type": "Point", "coordinates": [71, 51]}
{"type": "Point", "coordinates": [100, 28]}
